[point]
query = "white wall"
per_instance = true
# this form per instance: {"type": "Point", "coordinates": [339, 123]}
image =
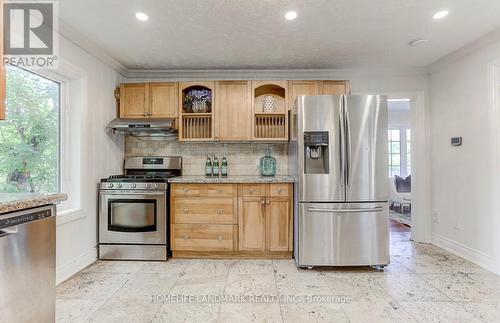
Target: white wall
{"type": "Point", "coordinates": [92, 152]}
{"type": "Point", "coordinates": [464, 178]}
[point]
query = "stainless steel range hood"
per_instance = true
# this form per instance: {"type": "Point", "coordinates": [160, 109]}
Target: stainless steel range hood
{"type": "Point", "coordinates": [144, 127]}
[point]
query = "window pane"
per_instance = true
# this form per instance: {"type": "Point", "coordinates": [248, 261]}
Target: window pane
{"type": "Point", "coordinates": [29, 137]}
{"type": "Point", "coordinates": [408, 135]}
{"type": "Point", "coordinates": [395, 147]}
{"type": "Point", "coordinates": [394, 135]}
{"type": "Point", "coordinates": [395, 160]}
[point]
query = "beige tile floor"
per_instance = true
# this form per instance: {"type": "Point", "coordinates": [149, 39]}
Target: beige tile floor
{"type": "Point", "coordinates": [422, 284]}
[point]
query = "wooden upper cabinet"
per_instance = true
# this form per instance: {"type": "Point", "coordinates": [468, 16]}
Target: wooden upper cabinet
{"type": "Point", "coordinates": [149, 100]}
{"type": "Point", "coordinates": [252, 224]}
{"type": "Point", "coordinates": [134, 101]}
{"type": "Point", "coordinates": [233, 110]}
{"type": "Point", "coordinates": [297, 88]}
{"type": "Point", "coordinates": [163, 100]}
{"type": "Point", "coordinates": [334, 87]}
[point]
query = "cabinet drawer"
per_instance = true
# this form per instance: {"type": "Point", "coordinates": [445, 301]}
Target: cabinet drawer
{"type": "Point", "coordinates": [186, 189]}
{"type": "Point", "coordinates": [219, 189]}
{"type": "Point", "coordinates": [203, 237]}
{"type": "Point", "coordinates": [204, 210]}
{"type": "Point", "coordinates": [252, 190]}
{"type": "Point", "coordinates": [280, 189]}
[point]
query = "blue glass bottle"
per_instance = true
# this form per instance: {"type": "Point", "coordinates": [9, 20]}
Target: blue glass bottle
{"type": "Point", "coordinates": [268, 164]}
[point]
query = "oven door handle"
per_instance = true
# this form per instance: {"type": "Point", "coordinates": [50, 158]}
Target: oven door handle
{"type": "Point", "coordinates": [117, 192]}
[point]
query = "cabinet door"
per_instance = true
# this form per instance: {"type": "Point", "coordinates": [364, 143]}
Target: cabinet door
{"type": "Point", "coordinates": [252, 224]}
{"type": "Point", "coordinates": [278, 224]}
{"type": "Point", "coordinates": [163, 101]}
{"type": "Point", "coordinates": [297, 88]}
{"type": "Point", "coordinates": [233, 110]}
{"type": "Point", "coordinates": [334, 87]}
{"type": "Point", "coordinates": [134, 100]}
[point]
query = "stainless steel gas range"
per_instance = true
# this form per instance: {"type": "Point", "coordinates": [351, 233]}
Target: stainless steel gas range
{"type": "Point", "coordinates": [134, 208]}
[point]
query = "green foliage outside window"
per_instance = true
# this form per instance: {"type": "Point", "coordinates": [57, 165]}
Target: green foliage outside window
{"type": "Point", "coordinates": [29, 138]}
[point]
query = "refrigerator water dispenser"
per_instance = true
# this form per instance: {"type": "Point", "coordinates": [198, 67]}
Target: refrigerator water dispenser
{"type": "Point", "coordinates": [316, 155]}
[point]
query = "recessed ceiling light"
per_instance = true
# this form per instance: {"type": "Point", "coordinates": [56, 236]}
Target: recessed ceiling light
{"type": "Point", "coordinates": [417, 42]}
{"type": "Point", "coordinates": [141, 16]}
{"type": "Point", "coordinates": [440, 14]}
{"type": "Point", "coordinates": [291, 15]}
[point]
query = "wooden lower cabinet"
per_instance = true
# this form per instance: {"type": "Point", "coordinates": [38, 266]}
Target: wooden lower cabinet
{"type": "Point", "coordinates": [278, 221]}
{"type": "Point", "coordinates": [252, 223]}
{"type": "Point", "coordinates": [232, 220]}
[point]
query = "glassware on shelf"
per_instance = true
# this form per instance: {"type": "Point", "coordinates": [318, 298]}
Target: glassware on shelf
{"type": "Point", "coordinates": [268, 164]}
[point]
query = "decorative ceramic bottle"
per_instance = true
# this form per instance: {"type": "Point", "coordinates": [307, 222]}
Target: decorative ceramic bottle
{"type": "Point", "coordinates": [268, 164]}
{"type": "Point", "coordinates": [223, 167]}
{"type": "Point", "coordinates": [208, 167]}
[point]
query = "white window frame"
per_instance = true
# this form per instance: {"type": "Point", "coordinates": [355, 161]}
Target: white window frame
{"type": "Point", "coordinates": [403, 152]}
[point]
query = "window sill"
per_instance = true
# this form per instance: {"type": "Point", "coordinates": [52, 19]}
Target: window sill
{"type": "Point", "coordinates": [69, 215]}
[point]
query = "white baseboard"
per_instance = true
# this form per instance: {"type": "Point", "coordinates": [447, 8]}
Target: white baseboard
{"type": "Point", "coordinates": [67, 270]}
{"type": "Point", "coordinates": [479, 258]}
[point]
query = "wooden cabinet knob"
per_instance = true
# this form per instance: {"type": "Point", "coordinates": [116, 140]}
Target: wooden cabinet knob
{"type": "Point", "coordinates": [267, 202]}
{"type": "Point", "coordinates": [251, 190]}
{"type": "Point", "coordinates": [185, 210]}
{"type": "Point", "coordinates": [262, 202]}
{"type": "Point", "coordinates": [220, 190]}
{"type": "Point", "coordinates": [185, 190]}
{"type": "Point", "coordinates": [220, 238]}
{"type": "Point", "coordinates": [279, 190]}
{"type": "Point", "coordinates": [186, 237]}
{"type": "Point", "coordinates": [220, 211]}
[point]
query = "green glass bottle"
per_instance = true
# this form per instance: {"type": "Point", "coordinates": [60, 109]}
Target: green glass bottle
{"type": "Point", "coordinates": [268, 164]}
{"type": "Point", "coordinates": [208, 167]}
{"type": "Point", "coordinates": [223, 167]}
{"type": "Point", "coordinates": [215, 169]}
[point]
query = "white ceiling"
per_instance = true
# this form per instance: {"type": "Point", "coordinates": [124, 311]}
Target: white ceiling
{"type": "Point", "coordinates": [253, 34]}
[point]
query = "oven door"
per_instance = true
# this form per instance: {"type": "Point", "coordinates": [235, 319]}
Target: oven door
{"type": "Point", "coordinates": [127, 217]}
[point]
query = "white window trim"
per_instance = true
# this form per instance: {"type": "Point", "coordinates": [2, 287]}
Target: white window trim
{"type": "Point", "coordinates": [69, 78]}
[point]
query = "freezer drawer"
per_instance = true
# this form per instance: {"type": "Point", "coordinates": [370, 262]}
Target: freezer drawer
{"type": "Point", "coordinates": [343, 234]}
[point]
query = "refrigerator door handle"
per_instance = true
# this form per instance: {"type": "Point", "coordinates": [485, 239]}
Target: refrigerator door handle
{"type": "Point", "coordinates": [357, 210]}
{"type": "Point", "coordinates": [347, 144]}
{"type": "Point", "coordinates": [342, 143]}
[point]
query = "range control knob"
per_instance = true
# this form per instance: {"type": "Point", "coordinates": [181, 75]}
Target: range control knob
{"type": "Point", "coordinates": [133, 185]}
{"type": "Point", "coordinates": [157, 185]}
{"type": "Point", "coordinates": [119, 185]}
{"type": "Point", "coordinates": [110, 185]}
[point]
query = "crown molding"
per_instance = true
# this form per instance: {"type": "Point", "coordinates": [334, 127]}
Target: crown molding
{"type": "Point", "coordinates": [275, 74]}
{"type": "Point", "coordinates": [89, 47]}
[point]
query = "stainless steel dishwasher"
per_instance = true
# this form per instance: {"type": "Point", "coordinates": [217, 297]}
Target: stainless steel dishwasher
{"type": "Point", "coordinates": [27, 265]}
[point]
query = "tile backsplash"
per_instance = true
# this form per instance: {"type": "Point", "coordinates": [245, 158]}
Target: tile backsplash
{"type": "Point", "coordinates": [243, 158]}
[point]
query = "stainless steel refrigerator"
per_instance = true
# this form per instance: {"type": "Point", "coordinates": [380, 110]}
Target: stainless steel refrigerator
{"type": "Point", "coordinates": [338, 153]}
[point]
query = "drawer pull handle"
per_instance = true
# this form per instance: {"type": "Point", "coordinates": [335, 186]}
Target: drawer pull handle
{"type": "Point", "coordinates": [262, 202]}
{"type": "Point", "coordinates": [251, 190]}
{"type": "Point", "coordinates": [186, 237]}
{"type": "Point", "coordinates": [220, 190]}
{"type": "Point", "coordinates": [185, 190]}
{"type": "Point", "coordinates": [220, 211]}
{"type": "Point", "coordinates": [185, 211]}
{"type": "Point", "coordinates": [220, 238]}
{"type": "Point", "coordinates": [279, 190]}
{"type": "Point", "coordinates": [268, 202]}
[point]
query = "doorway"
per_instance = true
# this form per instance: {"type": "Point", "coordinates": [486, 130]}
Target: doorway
{"type": "Point", "coordinates": [399, 134]}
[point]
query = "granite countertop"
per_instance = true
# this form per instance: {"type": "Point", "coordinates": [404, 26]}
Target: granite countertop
{"type": "Point", "coordinates": [10, 202]}
{"type": "Point", "coordinates": [233, 179]}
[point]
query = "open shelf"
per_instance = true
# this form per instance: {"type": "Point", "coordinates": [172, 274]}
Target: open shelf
{"type": "Point", "coordinates": [196, 126]}
{"type": "Point", "coordinates": [270, 124]}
